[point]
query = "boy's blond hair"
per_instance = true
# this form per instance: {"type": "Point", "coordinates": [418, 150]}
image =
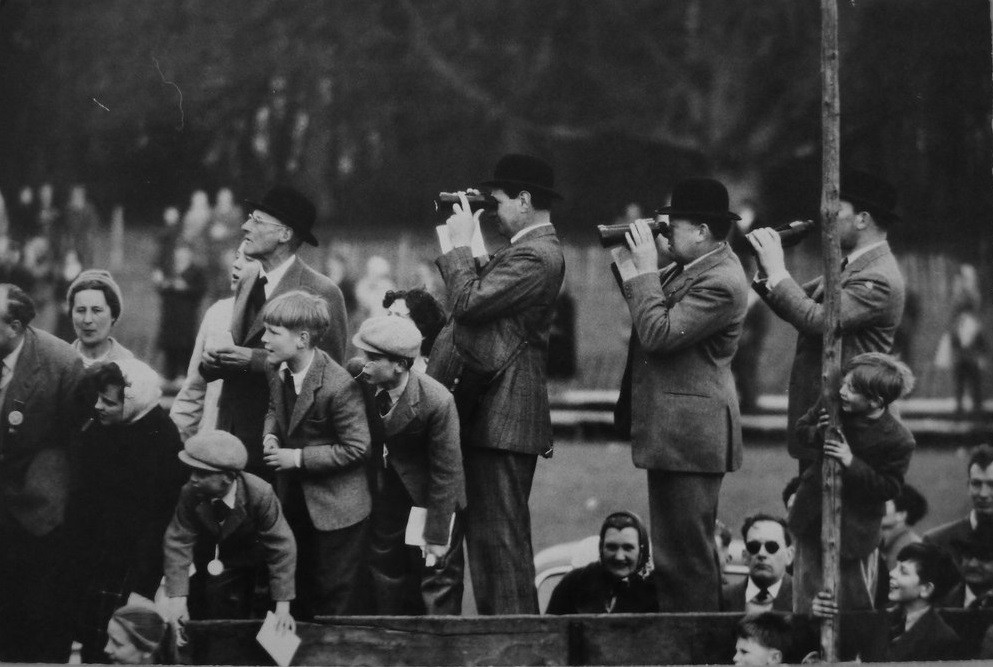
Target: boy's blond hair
{"type": "Point", "coordinates": [299, 310]}
{"type": "Point", "coordinates": [880, 376]}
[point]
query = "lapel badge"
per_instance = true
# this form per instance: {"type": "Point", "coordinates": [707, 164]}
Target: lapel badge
{"type": "Point", "coordinates": [15, 418]}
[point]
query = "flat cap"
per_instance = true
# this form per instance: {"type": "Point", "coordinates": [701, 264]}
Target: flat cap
{"type": "Point", "coordinates": [214, 450]}
{"type": "Point", "coordinates": [389, 334]}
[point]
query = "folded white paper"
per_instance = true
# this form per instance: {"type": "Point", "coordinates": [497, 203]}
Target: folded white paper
{"type": "Point", "coordinates": [625, 266]}
{"type": "Point", "coordinates": [280, 645]}
{"type": "Point", "coordinates": [477, 245]}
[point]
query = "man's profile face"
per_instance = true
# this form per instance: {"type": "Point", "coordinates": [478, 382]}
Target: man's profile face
{"type": "Point", "coordinates": [508, 213]}
{"type": "Point", "coordinates": [765, 568]}
{"type": "Point", "coordinates": [848, 234]}
{"type": "Point", "coordinates": [981, 488]}
{"type": "Point", "coordinates": [750, 652]}
{"type": "Point", "coordinates": [262, 234]}
{"type": "Point", "coordinates": [620, 552]}
{"type": "Point", "coordinates": [9, 331]}
{"type": "Point", "coordinates": [683, 239]}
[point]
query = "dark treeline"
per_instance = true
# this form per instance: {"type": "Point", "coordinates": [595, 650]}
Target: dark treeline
{"type": "Point", "coordinates": [374, 106]}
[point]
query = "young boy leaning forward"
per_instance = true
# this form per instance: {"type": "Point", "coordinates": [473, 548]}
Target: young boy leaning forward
{"type": "Point", "coordinates": [874, 450]}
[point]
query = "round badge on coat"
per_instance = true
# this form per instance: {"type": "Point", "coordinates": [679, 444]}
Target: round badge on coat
{"type": "Point", "coordinates": [15, 418]}
{"type": "Point", "coordinates": [215, 567]}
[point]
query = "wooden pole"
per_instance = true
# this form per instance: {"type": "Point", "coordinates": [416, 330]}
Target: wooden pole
{"type": "Point", "coordinates": [831, 359]}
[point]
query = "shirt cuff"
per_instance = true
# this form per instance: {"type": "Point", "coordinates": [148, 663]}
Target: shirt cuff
{"type": "Point", "coordinates": [299, 458]}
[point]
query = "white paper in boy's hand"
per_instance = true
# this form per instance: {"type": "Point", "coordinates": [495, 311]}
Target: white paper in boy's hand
{"type": "Point", "coordinates": [414, 536]}
{"type": "Point", "coordinates": [477, 245]}
{"type": "Point", "coordinates": [280, 645]}
{"type": "Point", "coordinates": [625, 265]}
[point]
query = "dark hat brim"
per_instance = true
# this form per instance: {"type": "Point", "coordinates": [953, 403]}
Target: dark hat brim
{"type": "Point", "coordinates": [284, 218]}
{"type": "Point", "coordinates": [707, 215]}
{"type": "Point", "coordinates": [533, 188]}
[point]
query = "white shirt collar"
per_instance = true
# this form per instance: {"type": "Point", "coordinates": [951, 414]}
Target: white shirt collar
{"type": "Point", "coordinates": [752, 589]}
{"type": "Point", "coordinates": [973, 520]}
{"type": "Point", "coordinates": [969, 597]}
{"type": "Point", "coordinates": [230, 496]}
{"type": "Point", "coordinates": [855, 254]}
{"type": "Point", "coordinates": [513, 239]}
{"type": "Point", "coordinates": [701, 257]}
{"type": "Point", "coordinates": [10, 361]}
{"type": "Point", "coordinates": [298, 378]}
{"type": "Point", "coordinates": [273, 277]}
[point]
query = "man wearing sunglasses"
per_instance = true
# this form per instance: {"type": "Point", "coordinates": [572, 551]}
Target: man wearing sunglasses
{"type": "Point", "coordinates": [768, 553]}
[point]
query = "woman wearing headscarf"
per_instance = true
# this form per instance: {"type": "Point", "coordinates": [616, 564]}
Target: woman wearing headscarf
{"type": "Point", "coordinates": [130, 479]}
{"type": "Point", "coordinates": [95, 301]}
{"type": "Point", "coordinates": [138, 635]}
{"type": "Point", "coordinates": [621, 582]}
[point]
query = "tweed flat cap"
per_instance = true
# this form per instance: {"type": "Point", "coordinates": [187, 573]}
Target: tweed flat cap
{"type": "Point", "coordinates": [214, 450]}
{"type": "Point", "coordinates": [389, 334]}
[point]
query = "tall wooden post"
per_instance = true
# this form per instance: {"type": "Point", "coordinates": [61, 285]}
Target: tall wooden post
{"type": "Point", "coordinates": [831, 360]}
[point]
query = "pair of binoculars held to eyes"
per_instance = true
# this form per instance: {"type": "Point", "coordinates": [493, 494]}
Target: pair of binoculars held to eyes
{"type": "Point", "coordinates": [614, 235]}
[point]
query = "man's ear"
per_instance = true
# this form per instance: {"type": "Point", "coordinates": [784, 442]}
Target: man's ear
{"type": "Point", "coordinates": [791, 550]}
{"type": "Point", "coordinates": [927, 590]}
{"type": "Point", "coordinates": [17, 326]}
{"type": "Point", "coordinates": [775, 657]}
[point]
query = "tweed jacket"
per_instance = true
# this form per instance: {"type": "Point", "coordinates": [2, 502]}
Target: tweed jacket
{"type": "Point", "coordinates": [422, 444]}
{"type": "Point", "coordinates": [733, 596]}
{"type": "Point", "coordinates": [872, 298]}
{"type": "Point", "coordinates": [678, 383]}
{"type": "Point", "coordinates": [255, 518]}
{"type": "Point", "coordinates": [881, 452]}
{"type": "Point", "coordinates": [510, 299]}
{"type": "Point", "coordinates": [39, 423]}
{"type": "Point", "coordinates": [328, 424]}
{"type": "Point", "coordinates": [950, 535]}
{"type": "Point", "coordinates": [930, 638]}
{"type": "Point", "coordinates": [245, 395]}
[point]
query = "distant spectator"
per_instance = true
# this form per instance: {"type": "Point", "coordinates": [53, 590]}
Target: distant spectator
{"type": "Point", "coordinates": [763, 639]}
{"type": "Point", "coordinates": [768, 553]}
{"type": "Point", "coordinates": [873, 448]}
{"type": "Point", "coordinates": [965, 290]}
{"type": "Point", "coordinates": [81, 225]}
{"type": "Point", "coordinates": [23, 215]}
{"type": "Point", "coordinates": [95, 303]}
{"type": "Point", "coordinates": [980, 485]}
{"type": "Point", "coordinates": [620, 582]}
{"type": "Point", "coordinates": [225, 223]}
{"type": "Point", "coordinates": [138, 635]}
{"type": "Point", "coordinates": [46, 224]}
{"type": "Point", "coordinates": [226, 218]}
{"type": "Point", "coordinates": [373, 286]}
{"type": "Point", "coordinates": [197, 218]}
{"type": "Point", "coordinates": [336, 267]}
{"type": "Point", "coordinates": [181, 293]}
{"type": "Point", "coordinates": [969, 358]}
{"type": "Point", "coordinates": [426, 313]}
{"type": "Point", "coordinates": [975, 562]}
{"type": "Point", "coordinates": [902, 513]}
{"type": "Point", "coordinates": [12, 268]}
{"type": "Point", "coordinates": [167, 236]}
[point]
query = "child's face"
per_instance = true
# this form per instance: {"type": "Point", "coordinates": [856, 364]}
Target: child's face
{"type": "Point", "coordinates": [282, 344]}
{"type": "Point", "coordinates": [380, 370]}
{"type": "Point", "coordinates": [750, 652]}
{"type": "Point", "coordinates": [210, 483]}
{"type": "Point", "coordinates": [852, 402]}
{"type": "Point", "coordinates": [905, 583]}
{"type": "Point", "coordinates": [109, 407]}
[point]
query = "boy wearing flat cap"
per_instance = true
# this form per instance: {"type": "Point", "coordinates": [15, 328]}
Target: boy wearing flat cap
{"type": "Point", "coordinates": [420, 465]}
{"type": "Point", "coordinates": [316, 438]}
{"type": "Point", "coordinates": [227, 522]}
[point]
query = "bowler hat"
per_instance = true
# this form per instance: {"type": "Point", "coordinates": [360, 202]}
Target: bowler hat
{"type": "Point", "coordinates": [214, 450]}
{"type": "Point", "coordinates": [291, 208]}
{"type": "Point", "coordinates": [523, 172]}
{"type": "Point", "coordinates": [389, 334]}
{"type": "Point", "coordinates": [702, 198]}
{"type": "Point", "coordinates": [870, 193]}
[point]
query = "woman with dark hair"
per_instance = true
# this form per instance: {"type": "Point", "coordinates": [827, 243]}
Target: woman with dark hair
{"type": "Point", "coordinates": [620, 582]}
{"type": "Point", "coordinates": [138, 635]}
{"type": "Point", "coordinates": [95, 301]}
{"type": "Point", "coordinates": [424, 310]}
{"type": "Point", "coordinates": [129, 482]}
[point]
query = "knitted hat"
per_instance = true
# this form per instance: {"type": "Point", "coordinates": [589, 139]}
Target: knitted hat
{"type": "Point", "coordinates": [389, 335]}
{"type": "Point", "coordinates": [98, 279]}
{"type": "Point", "coordinates": [214, 450]}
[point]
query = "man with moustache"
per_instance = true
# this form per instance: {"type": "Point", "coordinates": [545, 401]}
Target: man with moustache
{"type": "Point", "coordinates": [768, 553]}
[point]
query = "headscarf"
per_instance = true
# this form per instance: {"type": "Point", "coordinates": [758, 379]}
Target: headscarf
{"type": "Point", "coordinates": [142, 389]}
{"type": "Point", "coordinates": [625, 519]}
{"type": "Point", "coordinates": [145, 627]}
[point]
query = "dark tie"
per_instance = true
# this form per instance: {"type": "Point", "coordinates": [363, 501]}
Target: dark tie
{"type": "Point", "coordinates": [221, 511]}
{"type": "Point", "coordinates": [289, 393]}
{"type": "Point", "coordinates": [256, 300]}
{"type": "Point", "coordinates": [762, 597]}
{"type": "Point", "coordinates": [383, 402]}
{"type": "Point", "coordinates": [673, 273]}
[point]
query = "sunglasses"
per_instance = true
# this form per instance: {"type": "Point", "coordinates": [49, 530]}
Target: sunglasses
{"type": "Point", "coordinates": [753, 547]}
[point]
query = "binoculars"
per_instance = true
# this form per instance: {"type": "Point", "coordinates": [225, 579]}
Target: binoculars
{"type": "Point", "coordinates": [613, 235]}
{"type": "Point", "coordinates": [477, 201]}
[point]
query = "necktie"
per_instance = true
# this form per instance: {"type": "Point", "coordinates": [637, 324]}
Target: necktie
{"type": "Point", "coordinates": [289, 393]}
{"type": "Point", "coordinates": [672, 275]}
{"type": "Point", "coordinates": [383, 402]}
{"type": "Point", "coordinates": [763, 596]}
{"type": "Point", "coordinates": [256, 300]}
{"type": "Point", "coordinates": [221, 511]}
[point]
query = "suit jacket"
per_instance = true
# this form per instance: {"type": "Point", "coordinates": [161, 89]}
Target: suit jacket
{"type": "Point", "coordinates": [256, 519]}
{"type": "Point", "coordinates": [733, 596]}
{"type": "Point", "coordinates": [872, 297]}
{"type": "Point", "coordinates": [948, 536]}
{"type": "Point", "coordinates": [881, 452]}
{"type": "Point", "coordinates": [930, 638]}
{"type": "Point", "coordinates": [422, 438]}
{"type": "Point", "coordinates": [683, 402]}
{"type": "Point", "coordinates": [244, 396]}
{"type": "Point", "coordinates": [329, 424]}
{"type": "Point", "coordinates": [44, 394]}
{"type": "Point", "coordinates": [511, 298]}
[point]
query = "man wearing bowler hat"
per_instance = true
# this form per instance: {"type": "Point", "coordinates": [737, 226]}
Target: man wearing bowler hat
{"type": "Point", "coordinates": [872, 291]}
{"type": "Point", "coordinates": [501, 316]}
{"type": "Point", "coordinates": [678, 394]}
{"type": "Point", "coordinates": [273, 233]}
